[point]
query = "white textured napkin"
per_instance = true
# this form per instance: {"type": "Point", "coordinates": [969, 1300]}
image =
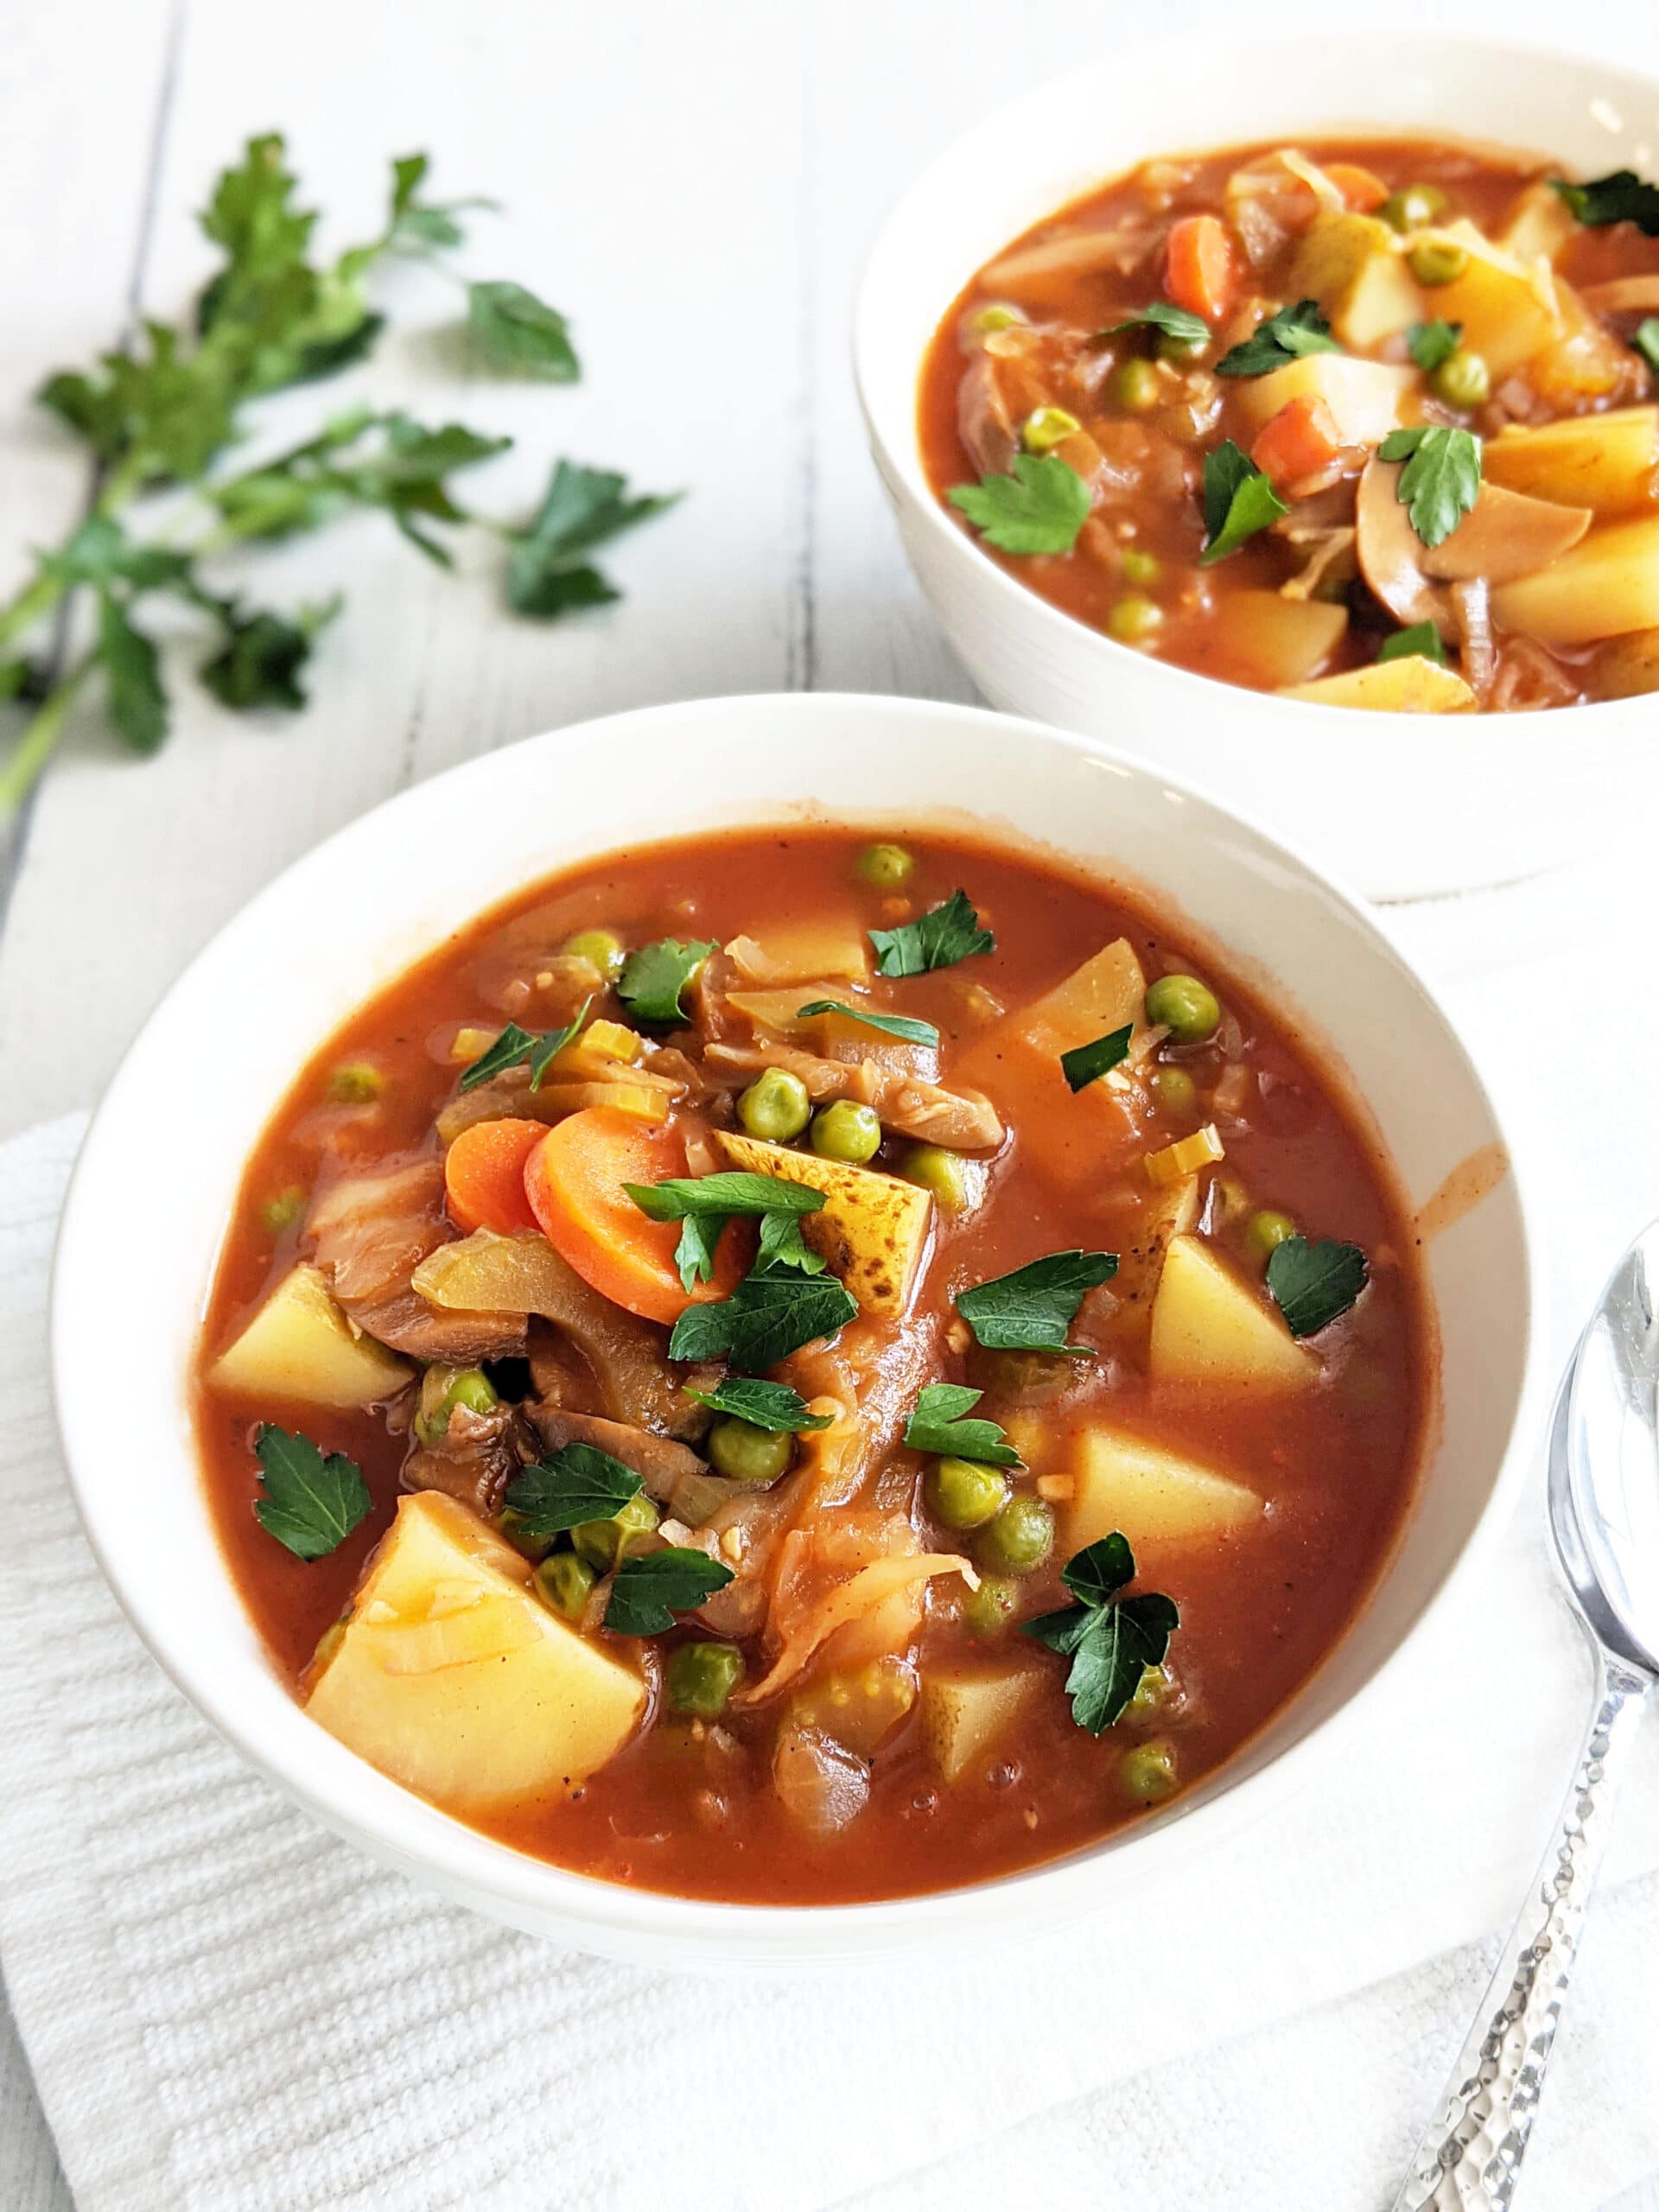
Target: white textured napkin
{"type": "Point", "coordinates": [224, 2008]}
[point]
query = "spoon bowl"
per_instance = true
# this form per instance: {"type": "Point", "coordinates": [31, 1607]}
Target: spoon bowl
{"type": "Point", "coordinates": [1613, 1453]}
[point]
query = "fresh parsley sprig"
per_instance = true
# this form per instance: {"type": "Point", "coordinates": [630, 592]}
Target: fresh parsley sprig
{"type": "Point", "coordinates": [653, 978]}
{"type": "Point", "coordinates": [939, 1423]}
{"type": "Point", "coordinates": [1421, 638]}
{"type": "Point", "coordinates": [1110, 1640]}
{"type": "Point", "coordinates": [1031, 1309]}
{"type": "Point", "coordinates": [1314, 1283]}
{"type": "Point", "coordinates": [939, 939]}
{"type": "Point", "coordinates": [1238, 500]}
{"type": "Point", "coordinates": [1086, 1064]}
{"type": "Point", "coordinates": [908, 1030]}
{"type": "Point", "coordinates": [574, 1486]}
{"type": "Point", "coordinates": [1440, 481]}
{"type": "Point", "coordinates": [1289, 335]}
{"type": "Point", "coordinates": [1431, 343]}
{"type": "Point", "coordinates": [1179, 323]}
{"type": "Point", "coordinates": [309, 1503]}
{"type": "Point", "coordinates": [767, 1317]}
{"type": "Point", "coordinates": [650, 1588]}
{"type": "Point", "coordinates": [1621, 196]}
{"type": "Point", "coordinates": [535, 1048]}
{"type": "Point", "coordinates": [1038, 507]}
{"type": "Point", "coordinates": [772, 1406]}
{"type": "Point", "coordinates": [706, 1202]}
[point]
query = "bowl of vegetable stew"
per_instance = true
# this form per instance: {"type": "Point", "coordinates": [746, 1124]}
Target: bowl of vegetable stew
{"type": "Point", "coordinates": [1254, 455]}
{"type": "Point", "coordinates": [828, 1345]}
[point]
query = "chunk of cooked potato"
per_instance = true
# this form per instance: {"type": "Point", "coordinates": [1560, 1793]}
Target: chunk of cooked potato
{"type": "Point", "coordinates": [831, 945]}
{"type": "Point", "coordinates": [1151, 1493]}
{"type": "Point", "coordinates": [1210, 1325]}
{"type": "Point", "coordinates": [964, 1712]}
{"type": "Point", "coordinates": [872, 1229]}
{"type": "Point", "coordinates": [1363, 397]}
{"type": "Point", "coordinates": [1607, 586]}
{"type": "Point", "coordinates": [1606, 462]}
{"type": "Point", "coordinates": [1539, 224]}
{"type": "Point", "coordinates": [1411, 685]}
{"type": "Point", "coordinates": [1352, 265]}
{"type": "Point", "coordinates": [1629, 667]}
{"type": "Point", "coordinates": [1272, 641]}
{"type": "Point", "coordinates": [1508, 308]}
{"type": "Point", "coordinates": [300, 1344]}
{"type": "Point", "coordinates": [450, 1675]}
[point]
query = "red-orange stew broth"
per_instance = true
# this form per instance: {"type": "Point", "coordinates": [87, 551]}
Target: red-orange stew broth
{"type": "Point", "coordinates": [866, 1717]}
{"type": "Point", "coordinates": [1312, 306]}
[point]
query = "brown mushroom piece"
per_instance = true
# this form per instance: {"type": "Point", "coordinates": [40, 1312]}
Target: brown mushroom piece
{"type": "Point", "coordinates": [1505, 535]}
{"type": "Point", "coordinates": [1391, 553]}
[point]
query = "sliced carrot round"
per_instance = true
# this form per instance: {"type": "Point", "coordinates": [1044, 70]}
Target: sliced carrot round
{"type": "Point", "coordinates": [1200, 271]}
{"type": "Point", "coordinates": [484, 1175]}
{"type": "Point", "coordinates": [574, 1180]}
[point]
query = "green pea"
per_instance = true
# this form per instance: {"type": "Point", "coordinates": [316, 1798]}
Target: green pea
{"type": "Point", "coordinates": [1137, 386]}
{"type": "Point", "coordinates": [963, 1494]}
{"type": "Point", "coordinates": [1437, 261]}
{"type": "Point", "coordinates": [1152, 1693]}
{"type": "Point", "coordinates": [777, 1106]}
{"type": "Point", "coordinates": [443, 1389]}
{"type": "Point", "coordinates": [1181, 351]}
{"type": "Point", "coordinates": [565, 1582]}
{"type": "Point", "coordinates": [1046, 427]}
{"type": "Point", "coordinates": [1148, 1774]}
{"type": "Point", "coordinates": [1140, 567]}
{"type": "Point", "coordinates": [1184, 1006]}
{"type": "Point", "coordinates": [602, 1543]}
{"type": "Point", "coordinates": [700, 1677]}
{"type": "Point", "coordinates": [1174, 1090]}
{"type": "Point", "coordinates": [1266, 1231]}
{"type": "Point", "coordinates": [847, 1132]}
{"type": "Point", "coordinates": [747, 1453]}
{"type": "Point", "coordinates": [1412, 207]}
{"type": "Point", "coordinates": [600, 949]}
{"type": "Point", "coordinates": [284, 1209]}
{"type": "Point", "coordinates": [1462, 380]}
{"type": "Point", "coordinates": [997, 316]}
{"type": "Point", "coordinates": [884, 868]}
{"type": "Point", "coordinates": [356, 1084]}
{"type": "Point", "coordinates": [1134, 619]}
{"type": "Point", "coordinates": [512, 1525]}
{"type": "Point", "coordinates": [993, 1606]}
{"type": "Point", "coordinates": [1019, 1538]}
{"type": "Point", "coordinates": [953, 1180]}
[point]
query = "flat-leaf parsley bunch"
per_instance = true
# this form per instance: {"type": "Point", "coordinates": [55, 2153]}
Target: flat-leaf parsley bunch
{"type": "Point", "coordinates": [161, 412]}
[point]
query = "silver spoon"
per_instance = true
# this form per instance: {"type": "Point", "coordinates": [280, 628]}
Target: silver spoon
{"type": "Point", "coordinates": [1604, 1515]}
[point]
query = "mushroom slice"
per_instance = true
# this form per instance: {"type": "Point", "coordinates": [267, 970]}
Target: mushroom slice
{"type": "Point", "coordinates": [1623, 295]}
{"type": "Point", "coordinates": [1505, 535]}
{"type": "Point", "coordinates": [1391, 554]}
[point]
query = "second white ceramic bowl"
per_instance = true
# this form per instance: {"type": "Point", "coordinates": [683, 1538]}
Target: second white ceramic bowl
{"type": "Point", "coordinates": [156, 1184]}
{"type": "Point", "coordinates": [1403, 804]}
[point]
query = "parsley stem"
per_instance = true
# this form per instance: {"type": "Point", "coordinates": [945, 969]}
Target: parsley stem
{"type": "Point", "coordinates": [32, 604]}
{"type": "Point", "coordinates": [39, 740]}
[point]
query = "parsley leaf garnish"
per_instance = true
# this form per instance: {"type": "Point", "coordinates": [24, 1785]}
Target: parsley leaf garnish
{"type": "Point", "coordinates": [577, 1484]}
{"type": "Point", "coordinates": [1286, 336]}
{"type": "Point", "coordinates": [310, 1505]}
{"type": "Point", "coordinates": [1238, 500]}
{"type": "Point", "coordinates": [535, 1047]}
{"type": "Point", "coordinates": [1159, 315]}
{"type": "Point", "coordinates": [733, 1191]}
{"type": "Point", "coordinates": [895, 1024]}
{"type": "Point", "coordinates": [648, 1590]}
{"type": "Point", "coordinates": [1421, 637]}
{"type": "Point", "coordinates": [1621, 196]}
{"type": "Point", "coordinates": [782, 1245]}
{"type": "Point", "coordinates": [938, 1425]}
{"type": "Point", "coordinates": [766, 1318]}
{"type": "Point", "coordinates": [1440, 481]}
{"type": "Point", "coordinates": [1110, 1640]}
{"type": "Point", "coordinates": [129, 662]}
{"type": "Point", "coordinates": [1313, 1283]}
{"type": "Point", "coordinates": [772, 1406]}
{"type": "Point", "coordinates": [938, 938]}
{"type": "Point", "coordinates": [1084, 1063]}
{"type": "Point", "coordinates": [1039, 508]}
{"type": "Point", "coordinates": [262, 654]}
{"type": "Point", "coordinates": [1645, 339]}
{"type": "Point", "coordinates": [1031, 1309]}
{"type": "Point", "coordinates": [515, 330]}
{"type": "Point", "coordinates": [1431, 343]}
{"type": "Point", "coordinates": [548, 572]}
{"type": "Point", "coordinates": [653, 977]}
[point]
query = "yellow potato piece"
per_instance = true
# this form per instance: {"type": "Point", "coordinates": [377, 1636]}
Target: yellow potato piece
{"type": "Point", "coordinates": [1508, 308]}
{"type": "Point", "coordinates": [872, 1229]}
{"type": "Point", "coordinates": [451, 1677]}
{"type": "Point", "coordinates": [1629, 666]}
{"type": "Point", "coordinates": [487, 1273]}
{"type": "Point", "coordinates": [1352, 265]}
{"type": "Point", "coordinates": [804, 952]}
{"type": "Point", "coordinates": [1271, 640]}
{"type": "Point", "coordinates": [1411, 685]}
{"type": "Point", "coordinates": [300, 1344]}
{"type": "Point", "coordinates": [1208, 1326]}
{"type": "Point", "coordinates": [1607, 462]}
{"type": "Point", "coordinates": [1151, 1494]}
{"type": "Point", "coordinates": [964, 1713]}
{"type": "Point", "coordinates": [1538, 226]}
{"type": "Point", "coordinates": [1364, 397]}
{"type": "Point", "coordinates": [1105, 993]}
{"type": "Point", "coordinates": [1607, 585]}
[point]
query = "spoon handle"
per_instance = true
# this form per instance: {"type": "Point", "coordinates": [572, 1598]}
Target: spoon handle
{"type": "Point", "coordinates": [1470, 2156]}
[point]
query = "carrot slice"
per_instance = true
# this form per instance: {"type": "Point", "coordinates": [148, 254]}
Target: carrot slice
{"type": "Point", "coordinates": [1301, 438]}
{"type": "Point", "coordinates": [484, 1175]}
{"type": "Point", "coordinates": [1199, 273]}
{"type": "Point", "coordinates": [1360, 188]}
{"type": "Point", "coordinates": [574, 1181]}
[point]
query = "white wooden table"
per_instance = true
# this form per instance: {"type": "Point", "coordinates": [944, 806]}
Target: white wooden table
{"type": "Point", "coordinates": [695, 186]}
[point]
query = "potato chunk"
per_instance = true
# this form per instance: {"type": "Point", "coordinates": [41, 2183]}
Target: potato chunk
{"type": "Point", "coordinates": [1152, 1495]}
{"type": "Point", "coordinates": [1608, 584]}
{"type": "Point", "coordinates": [1508, 308]}
{"type": "Point", "coordinates": [1364, 397]}
{"type": "Point", "coordinates": [964, 1712]}
{"type": "Point", "coordinates": [1606, 462]}
{"type": "Point", "coordinates": [1351, 264]}
{"type": "Point", "coordinates": [804, 952]}
{"type": "Point", "coordinates": [1270, 641]}
{"type": "Point", "coordinates": [1208, 1326]}
{"type": "Point", "coordinates": [454, 1678]}
{"type": "Point", "coordinates": [300, 1344]}
{"type": "Point", "coordinates": [1539, 224]}
{"type": "Point", "coordinates": [1411, 685]}
{"type": "Point", "coordinates": [1629, 667]}
{"type": "Point", "coordinates": [872, 1229]}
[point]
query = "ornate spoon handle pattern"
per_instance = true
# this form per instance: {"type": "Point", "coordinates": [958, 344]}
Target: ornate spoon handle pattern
{"type": "Point", "coordinates": [1469, 2157]}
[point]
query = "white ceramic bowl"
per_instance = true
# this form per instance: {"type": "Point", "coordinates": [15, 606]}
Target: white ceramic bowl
{"type": "Point", "coordinates": [1403, 803]}
{"type": "Point", "coordinates": [154, 1190]}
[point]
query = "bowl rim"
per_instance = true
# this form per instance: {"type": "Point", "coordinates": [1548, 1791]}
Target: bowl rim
{"type": "Point", "coordinates": [900, 462]}
{"type": "Point", "coordinates": [468, 1864]}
